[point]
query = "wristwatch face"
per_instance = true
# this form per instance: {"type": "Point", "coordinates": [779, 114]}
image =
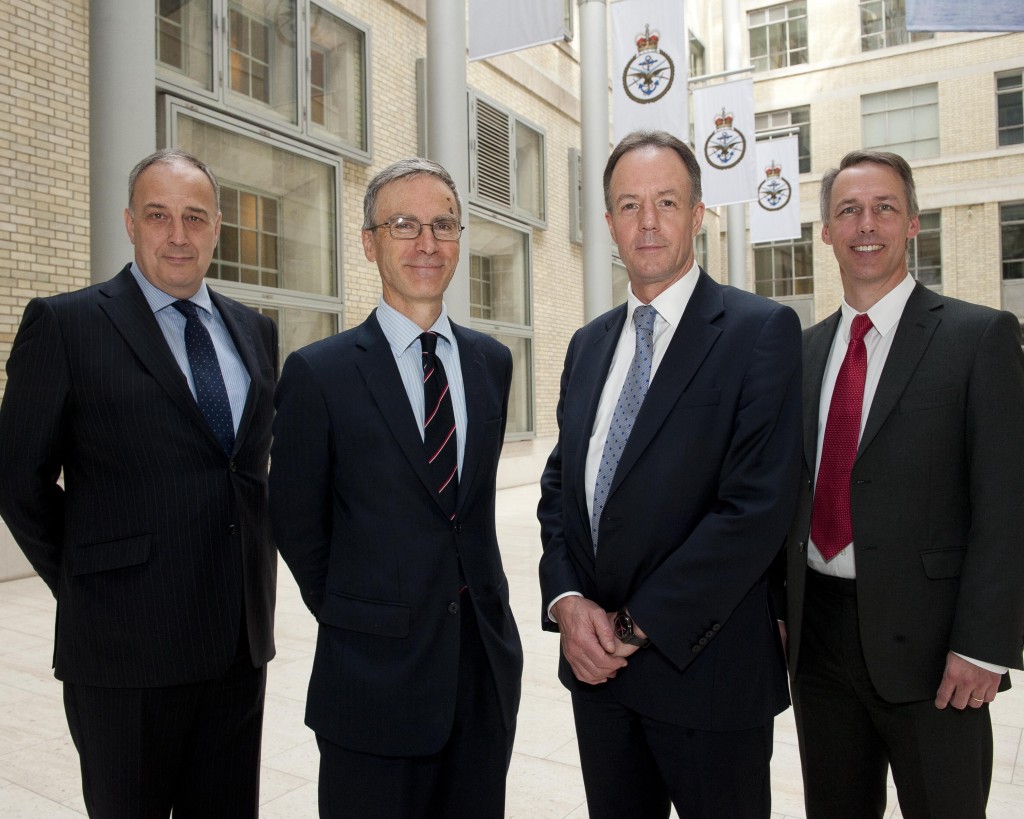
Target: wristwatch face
{"type": "Point", "coordinates": [623, 627]}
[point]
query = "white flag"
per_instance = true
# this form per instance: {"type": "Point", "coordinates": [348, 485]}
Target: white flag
{"type": "Point", "coordinates": [775, 214]}
{"type": "Point", "coordinates": [499, 26]}
{"type": "Point", "coordinates": [723, 125]}
{"type": "Point", "coordinates": [965, 15]}
{"type": "Point", "coordinates": [649, 82]}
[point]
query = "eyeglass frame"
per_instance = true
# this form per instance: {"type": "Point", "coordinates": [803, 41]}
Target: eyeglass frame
{"type": "Point", "coordinates": [409, 219]}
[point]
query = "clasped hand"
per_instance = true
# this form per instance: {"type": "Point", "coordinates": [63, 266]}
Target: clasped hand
{"type": "Point", "coordinates": [588, 640]}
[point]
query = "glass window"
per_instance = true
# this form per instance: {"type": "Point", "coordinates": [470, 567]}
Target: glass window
{"type": "Point", "coordinates": [337, 82]}
{"type": "Point", "coordinates": [278, 246]}
{"type": "Point", "coordinates": [924, 251]}
{"type": "Point", "coordinates": [697, 64]}
{"type": "Point", "coordinates": [1010, 107]}
{"type": "Point", "coordinates": [309, 82]}
{"type": "Point", "coordinates": [499, 273]}
{"type": "Point", "coordinates": [778, 36]}
{"type": "Point", "coordinates": [261, 57]}
{"type": "Point", "coordinates": [529, 171]}
{"type": "Point", "coordinates": [883, 23]}
{"type": "Point", "coordinates": [1011, 223]}
{"type": "Point", "coordinates": [785, 268]}
{"type": "Point", "coordinates": [184, 40]}
{"type": "Point", "coordinates": [799, 118]}
{"type": "Point", "coordinates": [904, 121]}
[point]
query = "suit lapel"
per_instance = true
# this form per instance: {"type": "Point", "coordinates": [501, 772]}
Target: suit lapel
{"type": "Point", "coordinates": [817, 344]}
{"type": "Point", "coordinates": [913, 334]}
{"type": "Point", "coordinates": [380, 372]}
{"type": "Point", "coordinates": [130, 313]}
{"type": "Point", "coordinates": [691, 343]}
{"type": "Point", "coordinates": [590, 370]}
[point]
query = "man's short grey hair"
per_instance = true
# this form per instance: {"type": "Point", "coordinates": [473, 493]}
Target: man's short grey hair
{"type": "Point", "coordinates": [413, 166]}
{"type": "Point", "coordinates": [889, 160]}
{"type": "Point", "coordinates": [171, 156]}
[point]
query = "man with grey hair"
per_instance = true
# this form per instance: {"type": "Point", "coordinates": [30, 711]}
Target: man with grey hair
{"type": "Point", "coordinates": [906, 557]}
{"type": "Point", "coordinates": [383, 478]}
{"type": "Point", "coordinates": [152, 394]}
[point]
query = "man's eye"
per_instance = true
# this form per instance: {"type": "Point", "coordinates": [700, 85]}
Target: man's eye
{"type": "Point", "coordinates": [405, 226]}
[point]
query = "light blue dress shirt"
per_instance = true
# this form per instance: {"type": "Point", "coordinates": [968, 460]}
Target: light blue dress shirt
{"type": "Point", "coordinates": [403, 335]}
{"type": "Point", "coordinates": [172, 323]}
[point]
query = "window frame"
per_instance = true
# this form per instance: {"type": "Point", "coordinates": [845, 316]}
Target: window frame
{"type": "Point", "coordinates": [788, 50]}
{"type": "Point", "coordinates": [908, 149]}
{"type": "Point", "coordinates": [169, 80]}
{"type": "Point", "coordinates": [1003, 223]}
{"type": "Point", "coordinates": [891, 35]}
{"type": "Point", "coordinates": [171, 110]}
{"type": "Point", "coordinates": [1017, 90]}
{"type": "Point", "coordinates": [513, 121]}
{"type": "Point", "coordinates": [803, 130]}
{"type": "Point", "coordinates": [805, 242]}
{"type": "Point", "coordinates": [913, 254]}
{"type": "Point", "coordinates": [494, 327]}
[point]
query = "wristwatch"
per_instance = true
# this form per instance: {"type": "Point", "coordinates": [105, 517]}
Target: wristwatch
{"type": "Point", "coordinates": [624, 630]}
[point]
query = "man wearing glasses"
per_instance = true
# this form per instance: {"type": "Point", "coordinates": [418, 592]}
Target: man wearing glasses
{"type": "Point", "coordinates": [384, 462]}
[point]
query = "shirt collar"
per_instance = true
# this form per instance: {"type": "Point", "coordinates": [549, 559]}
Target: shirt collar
{"type": "Point", "coordinates": [158, 299]}
{"type": "Point", "coordinates": [884, 313]}
{"type": "Point", "coordinates": [672, 301]}
{"type": "Point", "coordinates": [401, 331]}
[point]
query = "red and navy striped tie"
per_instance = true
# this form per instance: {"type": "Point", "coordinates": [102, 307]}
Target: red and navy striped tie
{"type": "Point", "coordinates": [439, 435]}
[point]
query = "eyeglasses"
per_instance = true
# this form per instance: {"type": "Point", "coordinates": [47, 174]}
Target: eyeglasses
{"type": "Point", "coordinates": [402, 227]}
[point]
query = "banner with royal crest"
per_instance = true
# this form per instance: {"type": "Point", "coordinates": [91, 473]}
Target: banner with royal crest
{"type": "Point", "coordinates": [649, 82]}
{"type": "Point", "coordinates": [499, 26]}
{"type": "Point", "coordinates": [723, 127]}
{"type": "Point", "coordinates": [775, 214]}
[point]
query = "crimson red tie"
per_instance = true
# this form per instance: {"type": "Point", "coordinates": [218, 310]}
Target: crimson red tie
{"type": "Point", "coordinates": [831, 528]}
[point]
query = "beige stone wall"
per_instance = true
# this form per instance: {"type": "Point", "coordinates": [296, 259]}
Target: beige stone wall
{"type": "Point", "coordinates": [44, 155]}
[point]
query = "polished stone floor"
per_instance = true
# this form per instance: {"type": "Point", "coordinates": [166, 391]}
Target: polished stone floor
{"type": "Point", "coordinates": [38, 764]}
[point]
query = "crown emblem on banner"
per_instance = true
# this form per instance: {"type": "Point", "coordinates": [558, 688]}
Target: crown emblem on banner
{"type": "Point", "coordinates": [724, 120]}
{"type": "Point", "coordinates": [648, 41]}
{"type": "Point", "coordinates": [773, 171]}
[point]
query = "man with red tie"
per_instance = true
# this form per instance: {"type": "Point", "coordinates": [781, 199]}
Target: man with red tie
{"type": "Point", "coordinates": [384, 466]}
{"type": "Point", "coordinates": [906, 557]}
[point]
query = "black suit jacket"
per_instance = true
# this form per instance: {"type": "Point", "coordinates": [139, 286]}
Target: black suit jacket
{"type": "Point", "coordinates": [157, 540]}
{"type": "Point", "coordinates": [697, 510]}
{"type": "Point", "coordinates": [375, 556]}
{"type": "Point", "coordinates": [936, 496]}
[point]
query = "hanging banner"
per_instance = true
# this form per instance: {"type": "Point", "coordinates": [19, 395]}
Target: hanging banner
{"type": "Point", "coordinates": [775, 214]}
{"type": "Point", "coordinates": [965, 15]}
{"type": "Point", "coordinates": [649, 76]}
{"type": "Point", "coordinates": [499, 26]}
{"type": "Point", "coordinates": [723, 125]}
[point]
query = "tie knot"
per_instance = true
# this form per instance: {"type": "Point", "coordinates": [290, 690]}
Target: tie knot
{"type": "Point", "coordinates": [643, 318]}
{"type": "Point", "coordinates": [861, 325]}
{"type": "Point", "coordinates": [186, 308]}
{"type": "Point", "coordinates": [428, 342]}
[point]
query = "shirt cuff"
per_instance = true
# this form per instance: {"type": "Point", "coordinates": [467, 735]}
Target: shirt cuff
{"type": "Point", "coordinates": [551, 617]}
{"type": "Point", "coordinates": [997, 669]}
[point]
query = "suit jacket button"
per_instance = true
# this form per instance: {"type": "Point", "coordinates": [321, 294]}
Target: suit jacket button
{"type": "Point", "coordinates": [703, 641]}
{"type": "Point", "coordinates": [232, 530]}
{"type": "Point", "coordinates": [453, 608]}
{"type": "Point", "coordinates": [695, 649]}
{"type": "Point", "coordinates": [233, 466]}
{"type": "Point", "coordinates": [715, 627]}
{"type": "Point", "coordinates": [458, 528]}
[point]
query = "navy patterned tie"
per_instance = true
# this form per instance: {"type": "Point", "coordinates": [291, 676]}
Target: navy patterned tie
{"type": "Point", "coordinates": [439, 435]}
{"type": "Point", "coordinates": [634, 390]}
{"type": "Point", "coordinates": [211, 394]}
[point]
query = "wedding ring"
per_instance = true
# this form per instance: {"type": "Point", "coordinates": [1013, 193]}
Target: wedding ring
{"type": "Point", "coordinates": [976, 699]}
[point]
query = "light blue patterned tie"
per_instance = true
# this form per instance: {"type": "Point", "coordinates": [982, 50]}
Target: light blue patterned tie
{"type": "Point", "coordinates": [634, 390]}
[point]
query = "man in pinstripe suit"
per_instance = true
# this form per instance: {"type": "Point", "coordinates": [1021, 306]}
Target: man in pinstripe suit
{"type": "Point", "coordinates": [156, 543]}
